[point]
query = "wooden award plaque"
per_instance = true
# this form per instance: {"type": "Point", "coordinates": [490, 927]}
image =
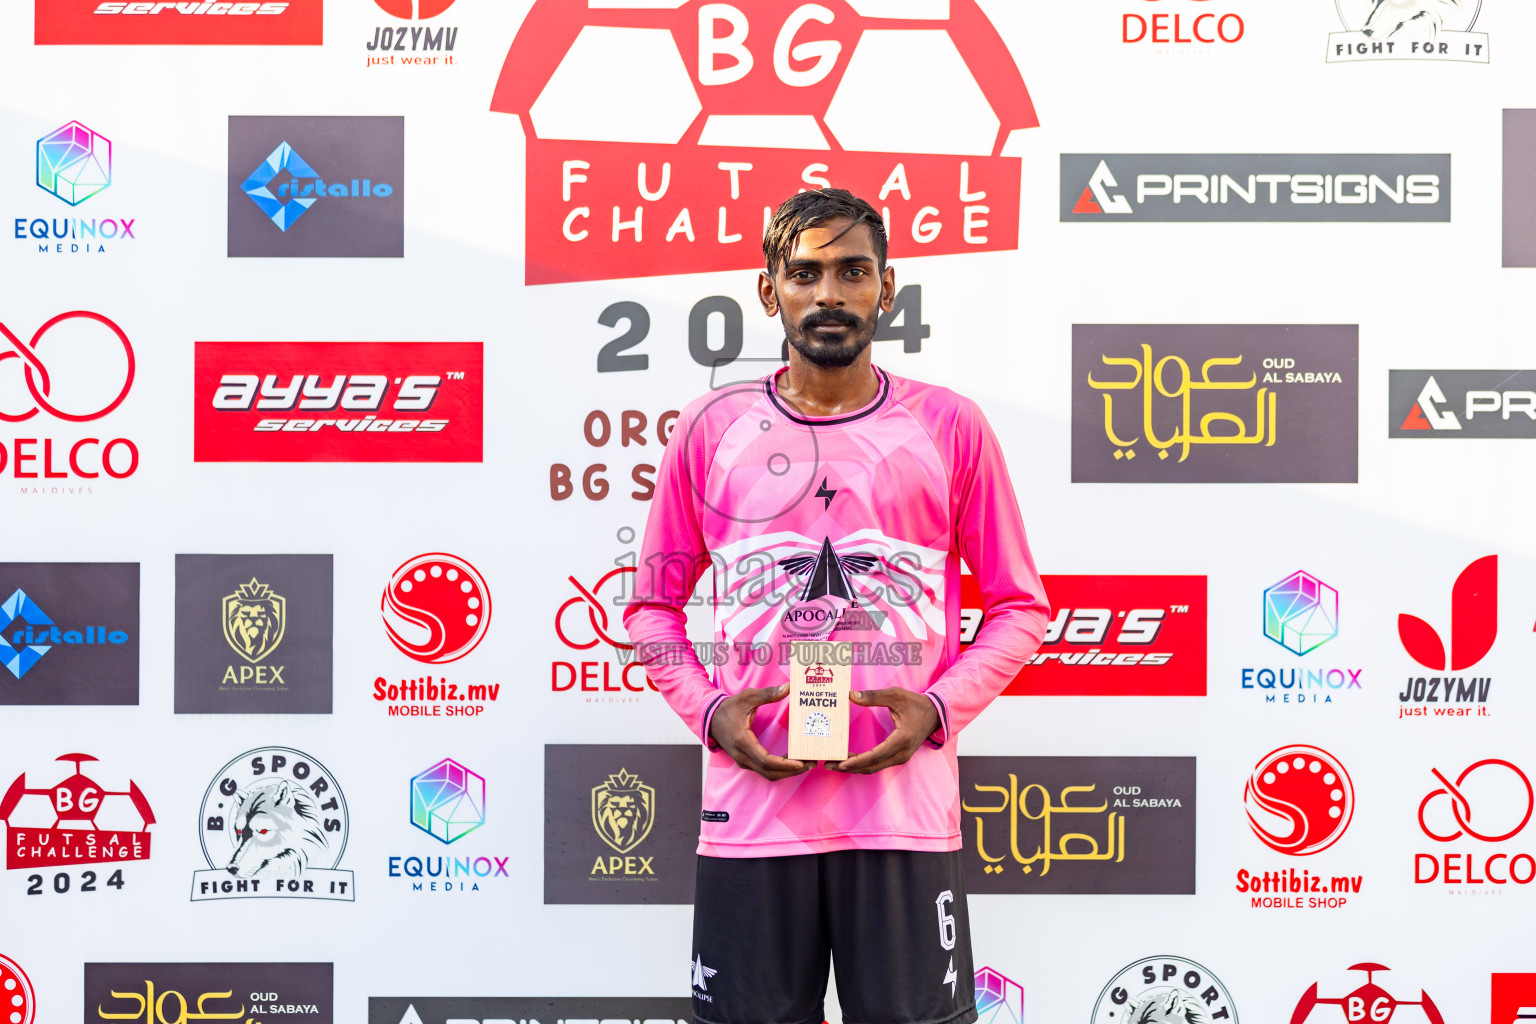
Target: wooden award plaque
{"type": "Point", "coordinates": [819, 681]}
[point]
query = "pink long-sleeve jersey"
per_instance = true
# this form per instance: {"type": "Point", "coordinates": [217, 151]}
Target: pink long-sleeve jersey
{"type": "Point", "coordinates": [868, 514]}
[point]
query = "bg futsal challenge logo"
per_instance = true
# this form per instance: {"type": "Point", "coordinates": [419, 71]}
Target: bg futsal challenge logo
{"type": "Point", "coordinates": [642, 160]}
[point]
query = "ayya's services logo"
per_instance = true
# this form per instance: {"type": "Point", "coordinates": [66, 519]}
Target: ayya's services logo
{"type": "Point", "coordinates": [179, 22]}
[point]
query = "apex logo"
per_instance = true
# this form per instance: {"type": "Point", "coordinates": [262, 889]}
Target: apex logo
{"type": "Point", "coordinates": [1474, 621]}
{"type": "Point", "coordinates": [1096, 198]}
{"type": "Point", "coordinates": [1426, 415]}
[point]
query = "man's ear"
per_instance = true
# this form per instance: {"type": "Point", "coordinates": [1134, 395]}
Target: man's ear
{"type": "Point", "coordinates": [767, 294]}
{"type": "Point", "coordinates": [887, 288]}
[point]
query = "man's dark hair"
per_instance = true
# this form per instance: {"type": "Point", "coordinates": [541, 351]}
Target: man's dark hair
{"type": "Point", "coordinates": [809, 209]}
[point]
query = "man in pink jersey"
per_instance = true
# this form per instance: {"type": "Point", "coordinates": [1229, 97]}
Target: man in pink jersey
{"type": "Point", "coordinates": [833, 488]}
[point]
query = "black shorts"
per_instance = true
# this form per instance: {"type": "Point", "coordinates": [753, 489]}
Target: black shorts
{"type": "Point", "coordinates": [893, 922]}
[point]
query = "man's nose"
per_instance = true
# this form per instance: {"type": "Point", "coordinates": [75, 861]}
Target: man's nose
{"type": "Point", "coordinates": [829, 292]}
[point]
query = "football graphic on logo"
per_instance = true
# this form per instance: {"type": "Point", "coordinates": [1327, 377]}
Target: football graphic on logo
{"type": "Point", "coordinates": [1299, 800]}
{"type": "Point", "coordinates": [436, 608]}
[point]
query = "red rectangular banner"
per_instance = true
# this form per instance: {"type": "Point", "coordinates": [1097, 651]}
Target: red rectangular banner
{"type": "Point", "coordinates": [1111, 636]}
{"type": "Point", "coordinates": [198, 22]}
{"type": "Point", "coordinates": [56, 847]}
{"type": "Point", "coordinates": [347, 401]}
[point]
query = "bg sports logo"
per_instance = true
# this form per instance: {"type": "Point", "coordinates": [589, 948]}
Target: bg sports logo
{"type": "Point", "coordinates": [656, 138]}
{"type": "Point", "coordinates": [273, 823]}
{"type": "Point", "coordinates": [1111, 636]}
{"type": "Point", "coordinates": [239, 23]}
{"type": "Point", "coordinates": [313, 401]}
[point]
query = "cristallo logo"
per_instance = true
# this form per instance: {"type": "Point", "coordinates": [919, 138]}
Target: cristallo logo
{"type": "Point", "coordinates": [659, 139]}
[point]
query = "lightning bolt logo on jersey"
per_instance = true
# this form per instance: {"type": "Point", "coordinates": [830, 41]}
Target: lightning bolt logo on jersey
{"type": "Point", "coordinates": [851, 526]}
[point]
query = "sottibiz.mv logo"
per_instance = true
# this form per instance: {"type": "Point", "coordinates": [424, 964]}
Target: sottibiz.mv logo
{"type": "Point", "coordinates": [321, 401]}
{"type": "Point", "coordinates": [75, 820]}
{"type": "Point", "coordinates": [186, 22]}
{"type": "Point", "coordinates": [658, 139]}
{"type": "Point", "coordinates": [274, 824]}
{"type": "Point", "coordinates": [1474, 626]}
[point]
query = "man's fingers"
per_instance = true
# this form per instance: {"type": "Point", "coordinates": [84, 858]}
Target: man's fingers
{"type": "Point", "coordinates": [760, 695]}
{"type": "Point", "coordinates": [757, 759]}
{"type": "Point", "coordinates": [884, 698]}
{"type": "Point", "coordinates": [873, 760]}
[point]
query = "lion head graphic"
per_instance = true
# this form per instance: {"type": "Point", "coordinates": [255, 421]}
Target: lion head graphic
{"type": "Point", "coordinates": [278, 831]}
{"type": "Point", "coordinates": [254, 618]}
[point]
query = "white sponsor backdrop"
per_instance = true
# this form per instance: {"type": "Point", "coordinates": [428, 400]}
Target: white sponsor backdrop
{"type": "Point", "coordinates": [1423, 295]}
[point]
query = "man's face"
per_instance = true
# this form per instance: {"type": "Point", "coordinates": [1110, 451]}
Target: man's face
{"type": "Point", "coordinates": [829, 294]}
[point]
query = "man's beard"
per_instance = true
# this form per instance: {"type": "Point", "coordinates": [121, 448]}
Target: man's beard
{"type": "Point", "coordinates": [831, 352]}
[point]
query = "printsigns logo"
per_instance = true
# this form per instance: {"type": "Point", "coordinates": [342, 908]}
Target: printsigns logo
{"type": "Point", "coordinates": [1367, 1002]}
{"type": "Point", "coordinates": [69, 633]}
{"type": "Point", "coordinates": [270, 993]}
{"type": "Point", "coordinates": [239, 23]}
{"type": "Point", "coordinates": [1211, 188]}
{"type": "Point", "coordinates": [447, 801]}
{"type": "Point", "coordinates": [273, 824]}
{"type": "Point", "coordinates": [1111, 636]}
{"type": "Point", "coordinates": [1421, 30]}
{"type": "Point", "coordinates": [436, 608]}
{"type": "Point", "coordinates": [620, 823]}
{"type": "Point", "coordinates": [351, 206]}
{"type": "Point", "coordinates": [443, 1010]}
{"type": "Point", "coordinates": [1301, 613]}
{"type": "Point", "coordinates": [321, 401]}
{"type": "Point", "coordinates": [18, 1003]}
{"type": "Point", "coordinates": [74, 163]}
{"type": "Point", "coordinates": [76, 820]}
{"type": "Point", "coordinates": [1164, 990]}
{"type": "Point", "coordinates": [1300, 800]}
{"type": "Point", "coordinates": [623, 810]}
{"type": "Point", "coordinates": [1461, 404]}
{"type": "Point", "coordinates": [1106, 825]}
{"type": "Point", "coordinates": [1252, 403]}
{"type": "Point", "coordinates": [601, 92]}
{"type": "Point", "coordinates": [273, 614]}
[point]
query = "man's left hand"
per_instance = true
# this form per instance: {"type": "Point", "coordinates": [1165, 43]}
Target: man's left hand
{"type": "Point", "coordinates": [914, 718]}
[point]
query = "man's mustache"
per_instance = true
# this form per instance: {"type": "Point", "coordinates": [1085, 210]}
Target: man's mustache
{"type": "Point", "coordinates": [830, 316]}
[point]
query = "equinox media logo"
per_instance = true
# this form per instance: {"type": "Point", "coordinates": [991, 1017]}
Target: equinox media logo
{"type": "Point", "coordinates": [74, 163]}
{"type": "Point", "coordinates": [1301, 614]}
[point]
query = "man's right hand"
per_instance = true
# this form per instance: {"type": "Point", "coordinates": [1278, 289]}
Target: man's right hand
{"type": "Point", "coordinates": [731, 727]}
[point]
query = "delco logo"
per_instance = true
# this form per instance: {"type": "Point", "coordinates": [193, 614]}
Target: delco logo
{"type": "Point", "coordinates": [230, 22]}
{"type": "Point", "coordinates": [337, 402]}
{"type": "Point", "coordinates": [1111, 635]}
{"type": "Point", "coordinates": [658, 140]}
